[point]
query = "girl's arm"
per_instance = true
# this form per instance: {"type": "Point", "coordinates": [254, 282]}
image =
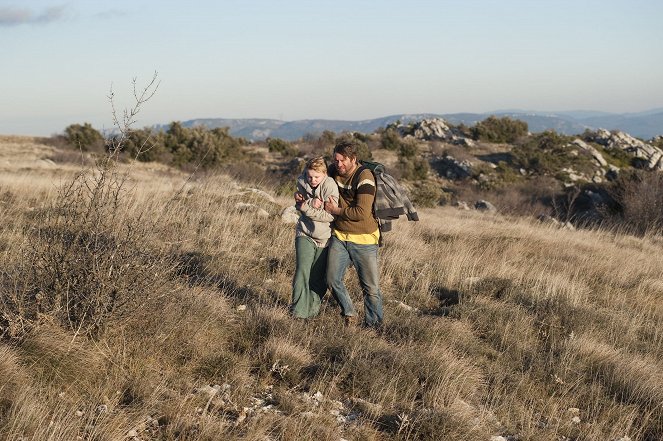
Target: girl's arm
{"type": "Point", "coordinates": [328, 189]}
{"type": "Point", "coordinates": [300, 194]}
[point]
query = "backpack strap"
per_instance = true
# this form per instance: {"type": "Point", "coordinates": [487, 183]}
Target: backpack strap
{"type": "Point", "coordinates": [355, 177]}
{"type": "Point", "coordinates": [355, 184]}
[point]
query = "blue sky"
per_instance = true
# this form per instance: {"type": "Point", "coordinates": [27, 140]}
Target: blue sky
{"type": "Point", "coordinates": [336, 59]}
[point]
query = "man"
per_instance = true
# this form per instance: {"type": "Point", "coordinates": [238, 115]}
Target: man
{"type": "Point", "coordinates": [355, 236]}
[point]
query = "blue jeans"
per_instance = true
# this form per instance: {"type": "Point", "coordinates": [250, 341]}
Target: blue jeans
{"type": "Point", "coordinates": [365, 260]}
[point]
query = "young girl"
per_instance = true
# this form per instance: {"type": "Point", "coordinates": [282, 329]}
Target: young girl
{"type": "Point", "coordinates": [312, 235]}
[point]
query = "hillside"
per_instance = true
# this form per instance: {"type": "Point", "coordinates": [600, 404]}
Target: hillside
{"type": "Point", "coordinates": [141, 302]}
{"type": "Point", "coordinates": [644, 125]}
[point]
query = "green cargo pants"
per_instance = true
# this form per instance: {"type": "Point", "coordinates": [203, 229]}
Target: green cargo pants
{"type": "Point", "coordinates": [309, 284]}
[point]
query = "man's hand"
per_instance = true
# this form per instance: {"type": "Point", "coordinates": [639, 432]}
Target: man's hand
{"type": "Point", "coordinates": [332, 208]}
{"type": "Point", "coordinates": [299, 198]}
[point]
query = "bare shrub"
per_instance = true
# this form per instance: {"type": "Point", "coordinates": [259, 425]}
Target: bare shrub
{"type": "Point", "coordinates": [639, 199]}
{"type": "Point", "coordinates": [88, 257]}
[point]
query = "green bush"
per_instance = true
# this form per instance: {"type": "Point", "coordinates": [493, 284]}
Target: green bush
{"type": "Point", "coordinates": [616, 157]}
{"type": "Point", "coordinates": [503, 130]}
{"type": "Point", "coordinates": [277, 145]}
{"type": "Point", "coordinates": [390, 139]}
{"type": "Point", "coordinates": [411, 166]}
{"type": "Point", "coordinates": [408, 149]}
{"type": "Point", "coordinates": [414, 169]}
{"type": "Point", "coordinates": [144, 145]}
{"type": "Point", "coordinates": [200, 146]}
{"type": "Point", "coordinates": [428, 195]}
{"type": "Point", "coordinates": [83, 137]}
{"type": "Point", "coordinates": [547, 153]}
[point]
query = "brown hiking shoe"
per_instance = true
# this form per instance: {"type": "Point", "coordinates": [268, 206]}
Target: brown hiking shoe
{"type": "Point", "coordinates": [350, 321]}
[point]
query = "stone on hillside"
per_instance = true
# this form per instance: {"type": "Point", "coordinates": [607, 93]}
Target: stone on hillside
{"type": "Point", "coordinates": [404, 306]}
{"type": "Point", "coordinates": [430, 129]}
{"type": "Point", "coordinates": [598, 157]}
{"type": "Point", "coordinates": [654, 160]}
{"type": "Point", "coordinates": [484, 206]}
{"type": "Point", "coordinates": [573, 175]}
{"type": "Point", "coordinates": [243, 207]}
{"type": "Point", "coordinates": [461, 140]}
{"type": "Point", "coordinates": [462, 205]}
{"type": "Point", "coordinates": [262, 194]}
{"type": "Point", "coordinates": [210, 391]}
{"type": "Point", "coordinates": [597, 178]}
{"type": "Point", "coordinates": [650, 157]}
{"type": "Point", "coordinates": [594, 197]}
{"type": "Point", "coordinates": [433, 129]}
{"type": "Point", "coordinates": [289, 215]}
{"type": "Point", "coordinates": [450, 168]}
{"type": "Point", "coordinates": [612, 173]}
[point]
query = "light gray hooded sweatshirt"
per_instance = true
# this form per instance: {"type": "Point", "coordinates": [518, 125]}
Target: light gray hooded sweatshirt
{"type": "Point", "coordinates": [316, 222]}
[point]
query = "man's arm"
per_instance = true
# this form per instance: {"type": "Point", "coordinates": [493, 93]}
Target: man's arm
{"type": "Point", "coordinates": [363, 205]}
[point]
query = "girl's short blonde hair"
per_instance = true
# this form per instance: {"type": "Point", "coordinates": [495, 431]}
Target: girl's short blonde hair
{"type": "Point", "coordinates": [318, 164]}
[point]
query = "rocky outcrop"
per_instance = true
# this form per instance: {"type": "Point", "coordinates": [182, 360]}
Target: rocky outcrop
{"type": "Point", "coordinates": [433, 129]}
{"type": "Point", "coordinates": [451, 168]}
{"type": "Point", "coordinates": [290, 215]}
{"type": "Point", "coordinates": [648, 156]}
{"type": "Point", "coordinates": [598, 157]}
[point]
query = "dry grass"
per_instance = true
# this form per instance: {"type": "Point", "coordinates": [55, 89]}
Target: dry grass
{"type": "Point", "coordinates": [494, 326]}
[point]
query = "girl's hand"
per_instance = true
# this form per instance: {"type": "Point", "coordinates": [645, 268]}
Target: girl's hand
{"type": "Point", "coordinates": [316, 203]}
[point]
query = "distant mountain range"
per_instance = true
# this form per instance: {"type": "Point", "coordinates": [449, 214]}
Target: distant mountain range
{"type": "Point", "coordinates": [643, 125]}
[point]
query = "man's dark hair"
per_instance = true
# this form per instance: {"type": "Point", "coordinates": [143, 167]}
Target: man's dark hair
{"type": "Point", "coordinates": [347, 148]}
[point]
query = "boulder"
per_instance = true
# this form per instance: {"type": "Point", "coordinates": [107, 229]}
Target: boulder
{"type": "Point", "coordinates": [289, 215]}
{"type": "Point", "coordinates": [650, 157]}
{"type": "Point", "coordinates": [484, 206]}
{"type": "Point", "coordinates": [612, 173]}
{"type": "Point", "coordinates": [450, 168]}
{"type": "Point", "coordinates": [243, 207]}
{"type": "Point", "coordinates": [598, 157]}
{"type": "Point", "coordinates": [262, 194]}
{"type": "Point", "coordinates": [430, 129]}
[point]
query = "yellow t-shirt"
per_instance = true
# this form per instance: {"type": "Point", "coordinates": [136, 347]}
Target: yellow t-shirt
{"type": "Point", "coordinates": [360, 239]}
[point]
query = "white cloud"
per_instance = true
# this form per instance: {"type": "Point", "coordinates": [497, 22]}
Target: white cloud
{"type": "Point", "coordinates": [17, 16]}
